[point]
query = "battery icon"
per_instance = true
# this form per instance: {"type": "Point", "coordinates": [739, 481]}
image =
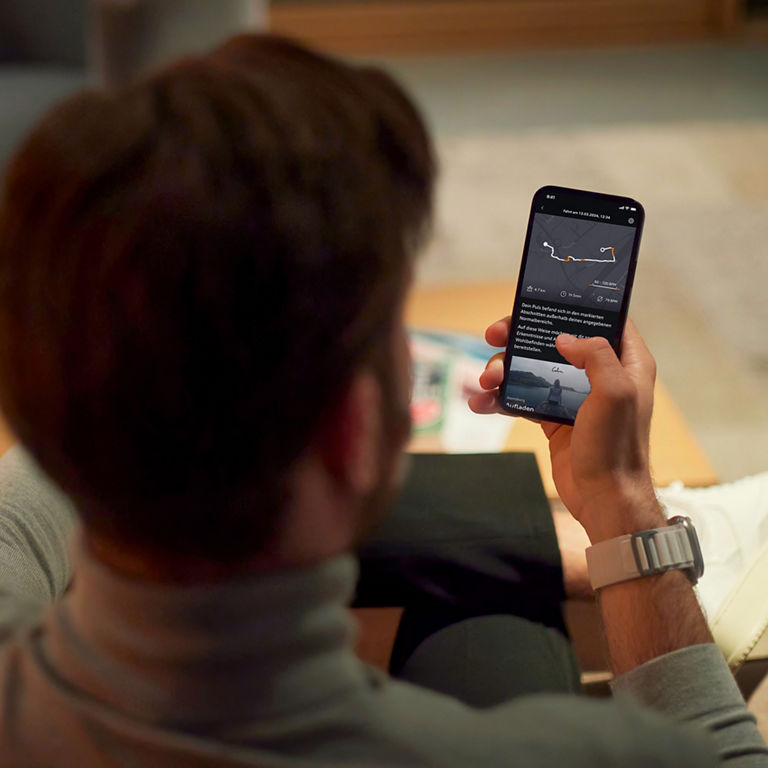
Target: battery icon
{"type": "Point", "coordinates": [633, 209]}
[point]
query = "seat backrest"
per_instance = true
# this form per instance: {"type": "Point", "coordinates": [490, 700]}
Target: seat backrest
{"type": "Point", "coordinates": [45, 31]}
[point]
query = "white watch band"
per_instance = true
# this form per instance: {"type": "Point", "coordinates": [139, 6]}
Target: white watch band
{"type": "Point", "coordinates": [646, 553]}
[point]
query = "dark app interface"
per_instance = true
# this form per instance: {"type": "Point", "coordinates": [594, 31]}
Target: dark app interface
{"type": "Point", "coordinates": [574, 282]}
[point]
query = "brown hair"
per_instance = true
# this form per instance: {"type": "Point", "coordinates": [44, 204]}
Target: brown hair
{"type": "Point", "coordinates": [191, 269]}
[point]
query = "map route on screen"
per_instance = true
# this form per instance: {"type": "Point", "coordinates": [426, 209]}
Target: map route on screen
{"type": "Point", "coordinates": [610, 248]}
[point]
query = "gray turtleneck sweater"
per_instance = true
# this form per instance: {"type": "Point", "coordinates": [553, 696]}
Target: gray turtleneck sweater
{"type": "Point", "coordinates": [260, 671]}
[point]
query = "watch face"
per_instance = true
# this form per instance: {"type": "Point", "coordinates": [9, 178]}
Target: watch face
{"type": "Point", "coordinates": [697, 571]}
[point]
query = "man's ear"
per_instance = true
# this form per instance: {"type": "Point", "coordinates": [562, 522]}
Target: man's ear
{"type": "Point", "coordinates": [350, 443]}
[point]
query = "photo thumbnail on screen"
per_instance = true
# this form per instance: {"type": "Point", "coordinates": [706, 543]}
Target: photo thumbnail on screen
{"type": "Point", "coordinates": [543, 387]}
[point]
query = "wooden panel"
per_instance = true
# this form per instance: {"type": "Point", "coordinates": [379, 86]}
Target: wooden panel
{"type": "Point", "coordinates": [729, 16]}
{"type": "Point", "coordinates": [377, 628]}
{"type": "Point", "coordinates": [7, 439]}
{"type": "Point", "coordinates": [449, 25]}
{"type": "Point", "coordinates": [469, 308]}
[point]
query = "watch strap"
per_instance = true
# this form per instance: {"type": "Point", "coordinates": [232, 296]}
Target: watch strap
{"type": "Point", "coordinates": [646, 553]}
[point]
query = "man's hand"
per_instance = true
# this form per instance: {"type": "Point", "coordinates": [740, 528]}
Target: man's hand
{"type": "Point", "coordinates": [600, 465]}
{"type": "Point", "coordinates": [487, 402]}
{"type": "Point", "coordinates": [601, 470]}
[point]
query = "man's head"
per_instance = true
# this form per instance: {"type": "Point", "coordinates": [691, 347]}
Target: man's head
{"type": "Point", "coordinates": [195, 272]}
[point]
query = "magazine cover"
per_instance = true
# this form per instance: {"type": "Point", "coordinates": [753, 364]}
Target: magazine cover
{"type": "Point", "coordinates": [446, 367]}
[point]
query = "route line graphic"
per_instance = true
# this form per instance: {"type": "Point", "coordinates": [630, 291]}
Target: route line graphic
{"type": "Point", "coordinates": [571, 258]}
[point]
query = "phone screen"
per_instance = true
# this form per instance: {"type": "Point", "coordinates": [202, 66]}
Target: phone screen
{"type": "Point", "coordinates": [576, 277]}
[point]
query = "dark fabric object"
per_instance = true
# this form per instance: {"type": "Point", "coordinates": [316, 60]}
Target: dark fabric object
{"type": "Point", "coordinates": [470, 532]}
{"type": "Point", "coordinates": [470, 551]}
{"type": "Point", "coordinates": [487, 660]}
{"type": "Point", "coordinates": [49, 31]}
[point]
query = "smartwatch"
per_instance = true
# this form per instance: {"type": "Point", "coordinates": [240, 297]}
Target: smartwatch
{"type": "Point", "coordinates": [646, 553]}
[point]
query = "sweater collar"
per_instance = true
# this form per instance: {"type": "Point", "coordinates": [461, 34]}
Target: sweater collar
{"type": "Point", "coordinates": [261, 646]}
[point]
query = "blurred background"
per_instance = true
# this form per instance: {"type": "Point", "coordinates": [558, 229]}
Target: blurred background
{"type": "Point", "coordinates": [665, 101]}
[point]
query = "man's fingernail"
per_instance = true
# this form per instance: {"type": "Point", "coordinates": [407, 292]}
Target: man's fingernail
{"type": "Point", "coordinates": [566, 337]}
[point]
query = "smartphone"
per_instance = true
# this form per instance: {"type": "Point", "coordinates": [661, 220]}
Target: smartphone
{"type": "Point", "coordinates": [576, 277]}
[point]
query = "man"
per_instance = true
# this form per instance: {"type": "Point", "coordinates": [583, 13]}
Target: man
{"type": "Point", "coordinates": [202, 279]}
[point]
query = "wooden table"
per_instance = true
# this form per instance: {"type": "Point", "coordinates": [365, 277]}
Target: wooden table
{"type": "Point", "coordinates": [470, 308]}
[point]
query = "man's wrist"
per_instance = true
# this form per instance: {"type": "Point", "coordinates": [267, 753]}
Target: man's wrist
{"type": "Point", "coordinates": [619, 512]}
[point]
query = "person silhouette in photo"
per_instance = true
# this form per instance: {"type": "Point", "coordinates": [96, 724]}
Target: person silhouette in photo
{"type": "Point", "coordinates": [555, 396]}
